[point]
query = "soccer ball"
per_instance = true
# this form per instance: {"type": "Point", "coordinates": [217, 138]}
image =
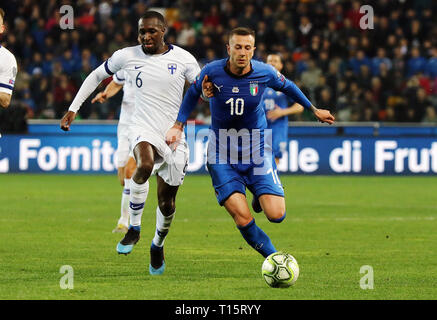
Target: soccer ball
{"type": "Point", "coordinates": [280, 270]}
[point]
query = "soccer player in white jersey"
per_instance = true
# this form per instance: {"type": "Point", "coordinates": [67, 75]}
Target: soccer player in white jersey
{"type": "Point", "coordinates": [8, 70]}
{"type": "Point", "coordinates": [159, 72]}
{"type": "Point", "coordinates": [125, 162]}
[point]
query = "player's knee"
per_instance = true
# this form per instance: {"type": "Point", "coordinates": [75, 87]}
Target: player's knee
{"type": "Point", "coordinates": [167, 206]}
{"type": "Point", "coordinates": [277, 216]}
{"type": "Point", "coordinates": [144, 170]}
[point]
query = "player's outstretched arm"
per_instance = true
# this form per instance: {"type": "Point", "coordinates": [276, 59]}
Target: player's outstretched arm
{"type": "Point", "coordinates": [291, 90]}
{"type": "Point", "coordinates": [88, 86]}
{"type": "Point", "coordinates": [111, 90]}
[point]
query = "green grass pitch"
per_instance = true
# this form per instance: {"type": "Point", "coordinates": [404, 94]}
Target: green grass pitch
{"type": "Point", "coordinates": [334, 226]}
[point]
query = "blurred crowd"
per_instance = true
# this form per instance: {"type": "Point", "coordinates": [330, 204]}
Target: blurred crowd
{"type": "Point", "coordinates": [388, 73]}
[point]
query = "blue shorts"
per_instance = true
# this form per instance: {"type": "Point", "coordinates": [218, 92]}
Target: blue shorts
{"type": "Point", "coordinates": [259, 179]}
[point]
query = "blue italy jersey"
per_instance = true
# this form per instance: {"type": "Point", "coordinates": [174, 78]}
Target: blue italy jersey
{"type": "Point", "coordinates": [236, 110]}
{"type": "Point", "coordinates": [236, 101]}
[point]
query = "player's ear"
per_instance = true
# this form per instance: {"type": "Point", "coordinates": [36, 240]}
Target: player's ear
{"type": "Point", "coordinates": [228, 49]}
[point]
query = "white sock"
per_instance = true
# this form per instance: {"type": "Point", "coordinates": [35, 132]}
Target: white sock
{"type": "Point", "coordinates": [162, 227]}
{"type": "Point", "coordinates": [124, 218]}
{"type": "Point", "coordinates": [138, 196]}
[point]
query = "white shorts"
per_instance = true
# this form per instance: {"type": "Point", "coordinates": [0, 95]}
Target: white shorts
{"type": "Point", "coordinates": [124, 151]}
{"type": "Point", "coordinates": [170, 165]}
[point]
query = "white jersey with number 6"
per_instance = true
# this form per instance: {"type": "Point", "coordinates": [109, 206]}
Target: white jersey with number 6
{"type": "Point", "coordinates": [159, 82]}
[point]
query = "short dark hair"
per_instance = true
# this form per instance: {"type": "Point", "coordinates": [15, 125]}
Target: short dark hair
{"type": "Point", "coordinates": [2, 13]}
{"type": "Point", "coordinates": [276, 54]}
{"type": "Point", "coordinates": [241, 31]}
{"type": "Point", "coordinates": [154, 14]}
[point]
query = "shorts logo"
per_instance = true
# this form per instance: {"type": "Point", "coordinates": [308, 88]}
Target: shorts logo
{"type": "Point", "coordinates": [254, 88]}
{"type": "Point", "coordinates": [172, 67]}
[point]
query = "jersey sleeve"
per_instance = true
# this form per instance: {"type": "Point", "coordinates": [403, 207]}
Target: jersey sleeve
{"type": "Point", "coordinates": [8, 73]}
{"type": "Point", "coordinates": [106, 69]}
{"type": "Point", "coordinates": [280, 83]}
{"type": "Point", "coordinates": [192, 69]}
{"type": "Point", "coordinates": [192, 96]}
{"type": "Point", "coordinates": [119, 77]}
{"type": "Point", "coordinates": [115, 62]}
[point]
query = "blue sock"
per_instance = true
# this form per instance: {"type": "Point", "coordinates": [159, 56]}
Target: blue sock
{"type": "Point", "coordinates": [137, 228]}
{"type": "Point", "coordinates": [257, 238]}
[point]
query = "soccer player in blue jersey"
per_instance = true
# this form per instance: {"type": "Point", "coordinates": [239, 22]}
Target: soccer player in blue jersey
{"type": "Point", "coordinates": [238, 128]}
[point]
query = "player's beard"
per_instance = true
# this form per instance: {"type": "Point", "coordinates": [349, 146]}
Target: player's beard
{"type": "Point", "coordinates": [150, 50]}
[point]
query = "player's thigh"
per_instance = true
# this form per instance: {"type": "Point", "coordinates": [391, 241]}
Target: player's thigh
{"type": "Point", "coordinates": [226, 180]}
{"type": "Point", "coordinates": [273, 206]}
{"type": "Point", "coordinates": [236, 205]}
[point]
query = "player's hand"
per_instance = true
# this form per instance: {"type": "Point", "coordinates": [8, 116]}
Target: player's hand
{"type": "Point", "coordinates": [275, 114]}
{"type": "Point", "coordinates": [324, 116]}
{"type": "Point", "coordinates": [173, 136]}
{"type": "Point", "coordinates": [207, 87]}
{"type": "Point", "coordinates": [100, 97]}
{"type": "Point", "coordinates": [67, 119]}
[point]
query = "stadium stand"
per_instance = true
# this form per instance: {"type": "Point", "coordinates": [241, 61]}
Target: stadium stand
{"type": "Point", "coordinates": [386, 74]}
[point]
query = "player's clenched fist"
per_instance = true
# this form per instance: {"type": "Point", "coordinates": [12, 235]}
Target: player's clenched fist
{"type": "Point", "coordinates": [324, 116]}
{"type": "Point", "coordinates": [67, 119]}
{"type": "Point", "coordinates": [207, 87]}
{"type": "Point", "coordinates": [174, 135]}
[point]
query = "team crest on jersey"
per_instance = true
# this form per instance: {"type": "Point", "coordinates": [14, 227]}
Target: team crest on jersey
{"type": "Point", "coordinates": [280, 76]}
{"type": "Point", "coordinates": [172, 67]}
{"type": "Point", "coordinates": [254, 88]}
{"type": "Point", "coordinates": [235, 90]}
